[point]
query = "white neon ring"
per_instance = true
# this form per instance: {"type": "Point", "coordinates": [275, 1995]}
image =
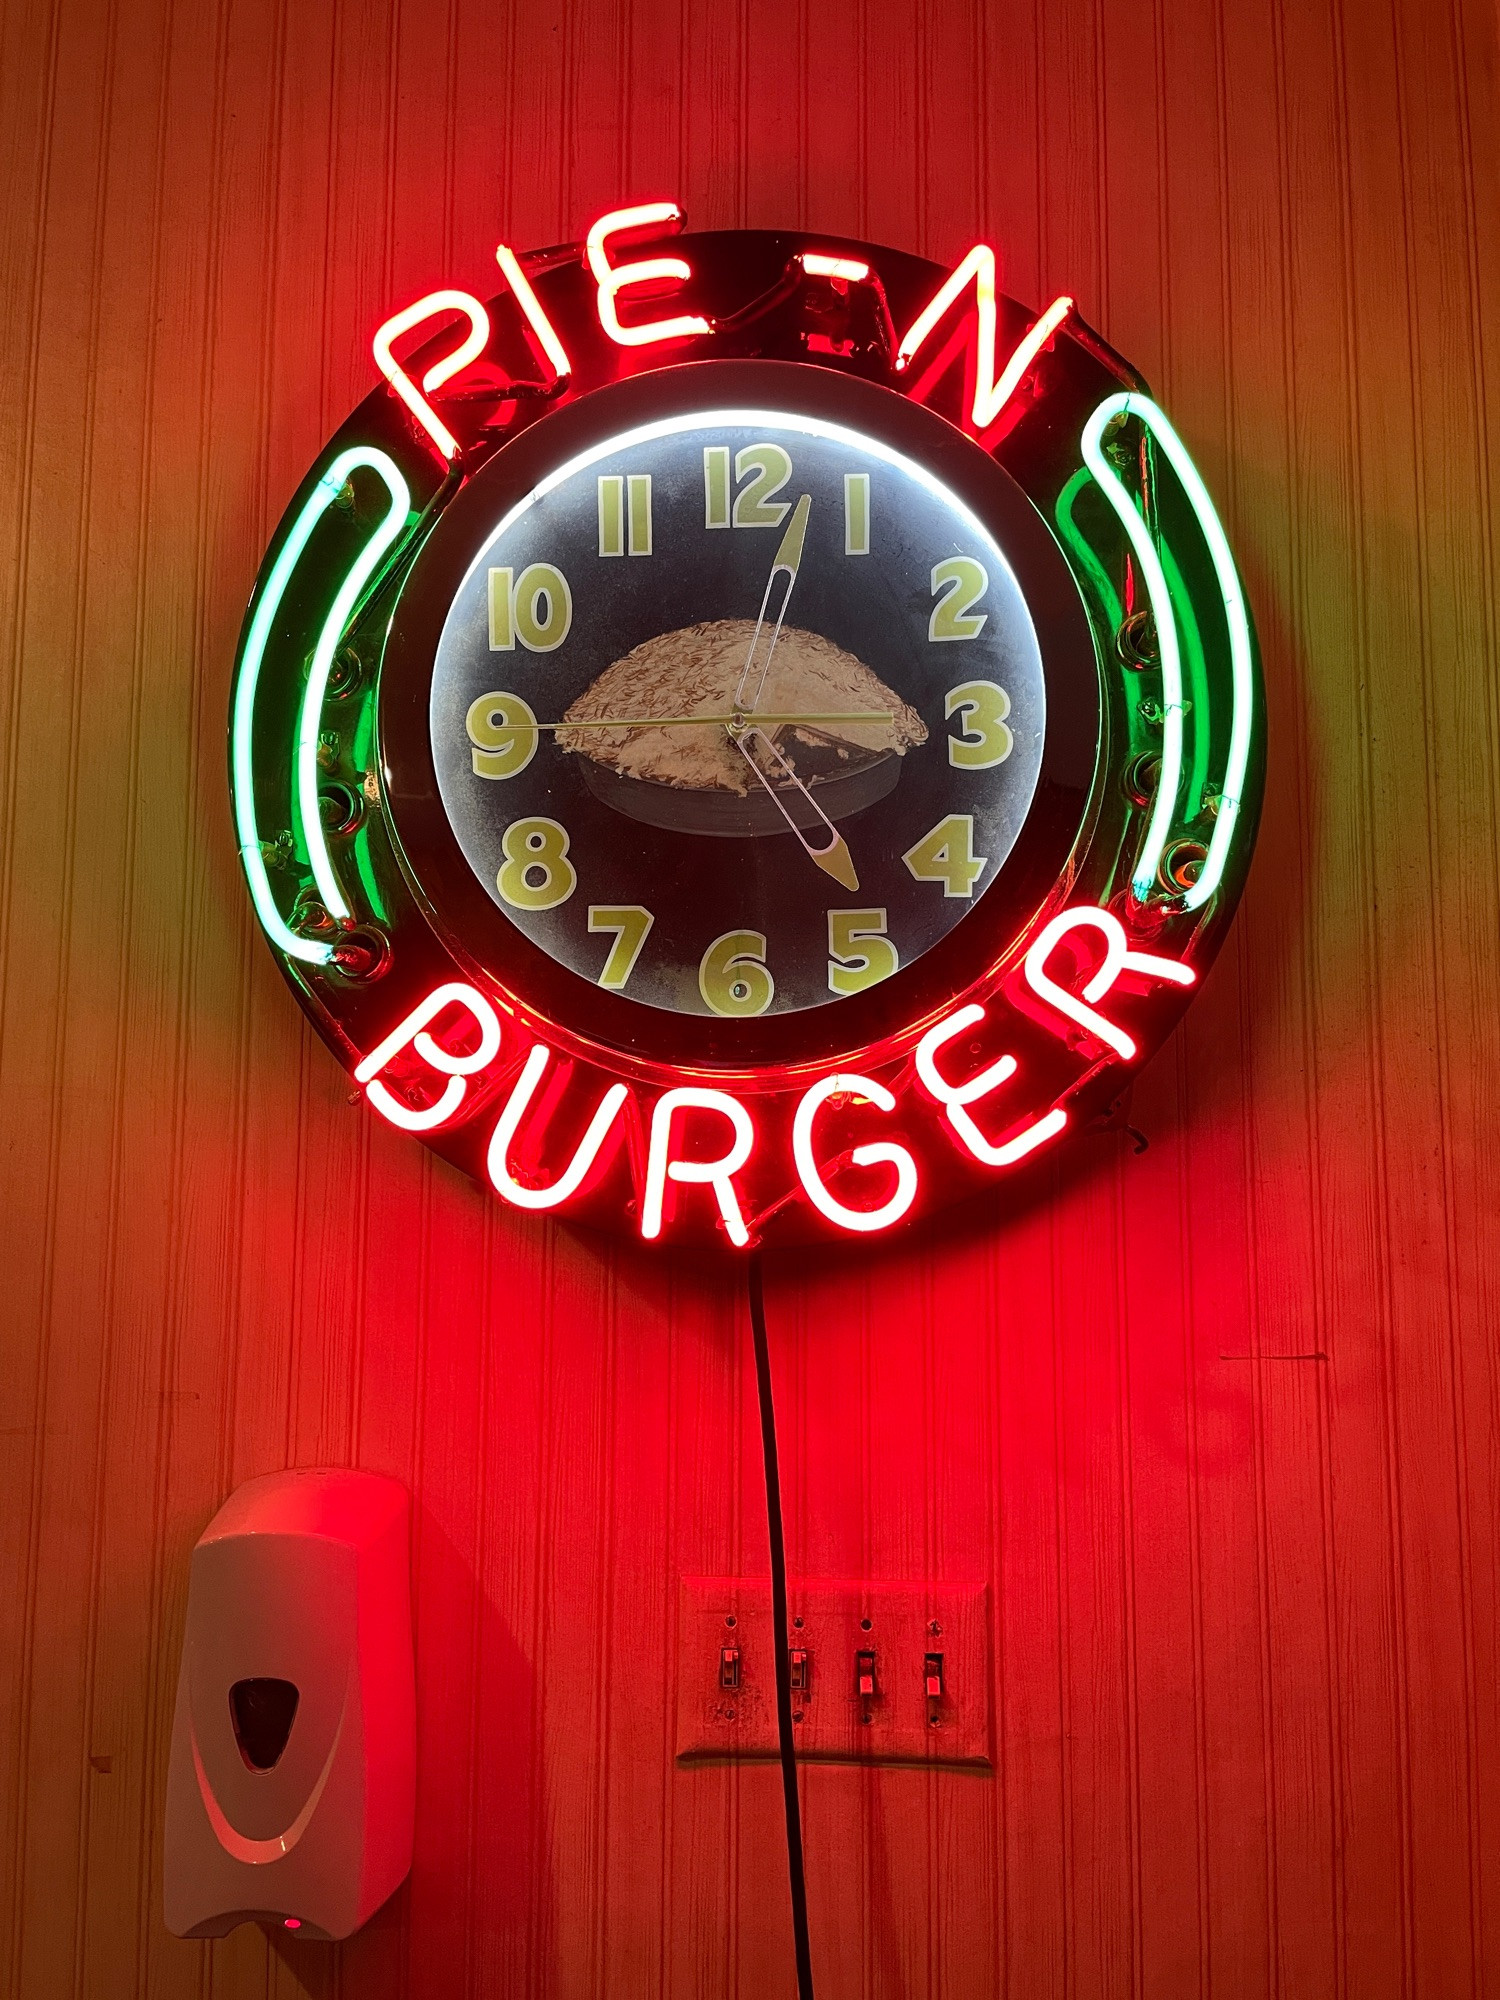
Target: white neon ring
{"type": "Point", "coordinates": [243, 717]}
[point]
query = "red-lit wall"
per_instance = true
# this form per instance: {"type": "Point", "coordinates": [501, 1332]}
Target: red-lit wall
{"type": "Point", "coordinates": [1219, 1421]}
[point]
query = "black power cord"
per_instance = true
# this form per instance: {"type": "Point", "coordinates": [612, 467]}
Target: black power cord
{"type": "Point", "coordinates": [780, 1636]}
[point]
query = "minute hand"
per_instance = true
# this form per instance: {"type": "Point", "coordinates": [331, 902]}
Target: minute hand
{"type": "Point", "coordinates": [833, 857]}
{"type": "Point", "coordinates": [788, 557]}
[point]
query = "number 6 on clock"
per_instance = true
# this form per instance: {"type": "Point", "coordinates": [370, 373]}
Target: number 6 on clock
{"type": "Point", "coordinates": [733, 976]}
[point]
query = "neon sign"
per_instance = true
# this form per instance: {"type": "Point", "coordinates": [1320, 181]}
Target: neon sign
{"type": "Point", "coordinates": [803, 938]}
{"type": "Point", "coordinates": [612, 279]}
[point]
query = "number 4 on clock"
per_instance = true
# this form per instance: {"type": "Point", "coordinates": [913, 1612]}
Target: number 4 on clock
{"type": "Point", "coordinates": [947, 855]}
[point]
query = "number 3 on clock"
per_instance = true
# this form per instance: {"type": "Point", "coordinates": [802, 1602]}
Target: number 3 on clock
{"type": "Point", "coordinates": [985, 739]}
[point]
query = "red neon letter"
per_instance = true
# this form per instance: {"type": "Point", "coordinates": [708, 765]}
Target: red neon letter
{"type": "Point", "coordinates": [443, 369]}
{"type": "Point", "coordinates": [531, 306]}
{"type": "Point", "coordinates": [612, 279]}
{"type": "Point", "coordinates": [504, 1182]}
{"type": "Point", "coordinates": [862, 1156]}
{"type": "Point", "coordinates": [413, 1030]}
{"type": "Point", "coordinates": [1118, 958]}
{"type": "Point", "coordinates": [956, 1097]}
{"type": "Point", "coordinates": [990, 396]}
{"type": "Point", "coordinates": [1027, 349]}
{"type": "Point", "coordinates": [719, 1173]}
{"type": "Point", "coordinates": [818, 264]}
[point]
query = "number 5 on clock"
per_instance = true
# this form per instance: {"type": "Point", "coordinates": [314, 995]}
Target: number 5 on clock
{"type": "Point", "coordinates": [631, 925]}
{"type": "Point", "coordinates": [862, 954]}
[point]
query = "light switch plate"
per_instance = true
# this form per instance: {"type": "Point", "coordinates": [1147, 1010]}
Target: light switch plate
{"type": "Point", "coordinates": [900, 1623]}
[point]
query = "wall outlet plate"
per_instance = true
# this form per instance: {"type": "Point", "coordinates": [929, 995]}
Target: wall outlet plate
{"type": "Point", "coordinates": [900, 1623]}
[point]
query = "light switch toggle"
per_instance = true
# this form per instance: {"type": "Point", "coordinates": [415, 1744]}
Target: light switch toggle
{"type": "Point", "coordinates": [932, 1670]}
{"type": "Point", "coordinates": [864, 1675]}
{"type": "Point", "coordinates": [729, 1667]}
{"type": "Point", "coordinates": [799, 1662]}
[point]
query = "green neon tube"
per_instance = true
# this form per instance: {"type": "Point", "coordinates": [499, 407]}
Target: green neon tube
{"type": "Point", "coordinates": [366, 867]}
{"type": "Point", "coordinates": [1236, 617]}
{"type": "Point", "coordinates": [242, 724]}
{"type": "Point", "coordinates": [1141, 540]}
{"type": "Point", "coordinates": [1197, 707]}
{"type": "Point", "coordinates": [1079, 543]}
{"type": "Point", "coordinates": [322, 662]}
{"type": "Point", "coordinates": [1195, 668]}
{"type": "Point", "coordinates": [359, 750]}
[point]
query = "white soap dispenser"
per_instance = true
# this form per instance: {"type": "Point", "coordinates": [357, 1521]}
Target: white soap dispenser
{"type": "Point", "coordinates": [292, 1787]}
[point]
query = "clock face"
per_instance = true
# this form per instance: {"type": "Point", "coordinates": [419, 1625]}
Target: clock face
{"type": "Point", "coordinates": [738, 712]}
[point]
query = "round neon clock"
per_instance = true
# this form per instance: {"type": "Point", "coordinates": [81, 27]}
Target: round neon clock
{"type": "Point", "coordinates": [749, 743]}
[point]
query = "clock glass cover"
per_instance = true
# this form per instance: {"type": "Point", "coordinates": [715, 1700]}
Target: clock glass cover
{"type": "Point", "coordinates": [737, 712]}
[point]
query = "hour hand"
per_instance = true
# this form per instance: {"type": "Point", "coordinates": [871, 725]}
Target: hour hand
{"type": "Point", "coordinates": [833, 857]}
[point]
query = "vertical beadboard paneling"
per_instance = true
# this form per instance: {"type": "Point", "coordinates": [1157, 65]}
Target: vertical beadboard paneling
{"type": "Point", "coordinates": [1216, 1420]}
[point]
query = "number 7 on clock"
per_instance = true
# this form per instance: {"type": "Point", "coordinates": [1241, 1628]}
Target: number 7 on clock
{"type": "Point", "coordinates": [631, 924]}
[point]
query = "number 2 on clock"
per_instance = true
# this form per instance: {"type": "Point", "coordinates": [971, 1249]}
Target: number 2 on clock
{"type": "Point", "coordinates": [962, 582]}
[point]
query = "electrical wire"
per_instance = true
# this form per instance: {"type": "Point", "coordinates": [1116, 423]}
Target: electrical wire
{"type": "Point", "coordinates": [780, 1636]}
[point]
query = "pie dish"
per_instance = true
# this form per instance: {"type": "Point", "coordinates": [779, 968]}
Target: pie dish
{"type": "Point", "coordinates": [691, 778]}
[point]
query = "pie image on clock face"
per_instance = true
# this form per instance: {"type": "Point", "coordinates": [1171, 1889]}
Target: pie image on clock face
{"type": "Point", "coordinates": [633, 724]}
{"type": "Point", "coordinates": [738, 713]}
